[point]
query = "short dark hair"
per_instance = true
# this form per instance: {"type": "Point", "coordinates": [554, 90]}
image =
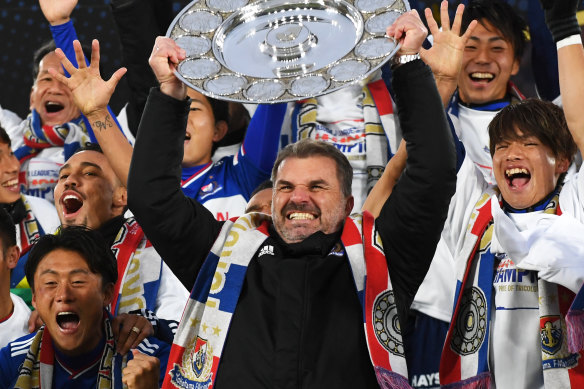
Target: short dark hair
{"type": "Point", "coordinates": [89, 146]}
{"type": "Point", "coordinates": [7, 230]}
{"type": "Point", "coordinates": [267, 184]}
{"type": "Point", "coordinates": [4, 138]}
{"type": "Point", "coordinates": [39, 54]}
{"type": "Point", "coordinates": [306, 148]}
{"type": "Point", "coordinates": [503, 17]}
{"type": "Point", "coordinates": [87, 243]}
{"type": "Point", "coordinates": [534, 117]}
{"type": "Point", "coordinates": [49, 47]}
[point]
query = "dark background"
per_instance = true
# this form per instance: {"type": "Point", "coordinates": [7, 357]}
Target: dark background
{"type": "Point", "coordinates": [23, 29]}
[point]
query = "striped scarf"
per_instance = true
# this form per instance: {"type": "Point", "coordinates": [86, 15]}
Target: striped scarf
{"type": "Point", "coordinates": [198, 345]}
{"type": "Point", "coordinates": [38, 137]}
{"type": "Point", "coordinates": [465, 357]}
{"type": "Point", "coordinates": [37, 369]}
{"type": "Point", "coordinates": [381, 135]}
{"type": "Point", "coordinates": [30, 231]}
{"type": "Point", "coordinates": [139, 269]}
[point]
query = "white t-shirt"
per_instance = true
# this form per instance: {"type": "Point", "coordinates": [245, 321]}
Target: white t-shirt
{"type": "Point", "coordinates": [17, 324]}
{"type": "Point", "coordinates": [515, 343]}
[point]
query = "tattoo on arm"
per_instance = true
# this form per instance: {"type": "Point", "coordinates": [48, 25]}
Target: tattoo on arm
{"type": "Point", "coordinates": [103, 125]}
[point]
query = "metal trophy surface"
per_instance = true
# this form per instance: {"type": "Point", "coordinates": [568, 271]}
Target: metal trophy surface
{"type": "Point", "coordinates": [271, 51]}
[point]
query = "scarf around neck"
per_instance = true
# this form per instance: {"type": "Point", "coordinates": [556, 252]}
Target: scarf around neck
{"type": "Point", "coordinates": [139, 270]}
{"type": "Point", "coordinates": [38, 137]}
{"type": "Point", "coordinates": [30, 230]}
{"type": "Point", "coordinates": [37, 369]}
{"type": "Point", "coordinates": [465, 357]}
{"type": "Point", "coordinates": [198, 345]}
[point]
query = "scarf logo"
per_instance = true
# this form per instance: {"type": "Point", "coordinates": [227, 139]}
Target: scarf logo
{"type": "Point", "coordinates": [197, 362]}
{"type": "Point", "coordinates": [551, 334]}
{"type": "Point", "coordinates": [470, 329]}
{"type": "Point", "coordinates": [386, 323]}
{"type": "Point", "coordinates": [201, 356]}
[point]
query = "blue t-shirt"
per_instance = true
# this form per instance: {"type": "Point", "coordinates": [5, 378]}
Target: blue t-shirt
{"type": "Point", "coordinates": [78, 372]}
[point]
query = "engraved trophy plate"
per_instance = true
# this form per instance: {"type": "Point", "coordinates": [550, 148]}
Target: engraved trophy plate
{"type": "Point", "coordinates": [270, 51]}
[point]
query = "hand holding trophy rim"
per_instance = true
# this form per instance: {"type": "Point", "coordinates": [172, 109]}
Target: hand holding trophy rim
{"type": "Point", "coordinates": [271, 51]}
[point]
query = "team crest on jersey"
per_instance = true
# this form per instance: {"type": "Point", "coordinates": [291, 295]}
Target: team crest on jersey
{"type": "Point", "coordinates": [209, 189]}
{"type": "Point", "coordinates": [551, 334]}
{"type": "Point", "coordinates": [197, 362]}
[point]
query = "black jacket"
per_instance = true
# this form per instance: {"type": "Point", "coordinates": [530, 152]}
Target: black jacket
{"type": "Point", "coordinates": [298, 322]}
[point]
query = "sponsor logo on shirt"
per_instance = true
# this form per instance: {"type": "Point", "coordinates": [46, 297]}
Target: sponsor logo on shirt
{"type": "Point", "coordinates": [426, 381]}
{"type": "Point", "coordinates": [268, 249]}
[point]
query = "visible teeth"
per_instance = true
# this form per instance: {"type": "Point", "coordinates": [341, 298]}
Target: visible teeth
{"type": "Point", "coordinates": [482, 75]}
{"type": "Point", "coordinates": [10, 183]}
{"type": "Point", "coordinates": [66, 313]}
{"type": "Point", "coordinates": [53, 106]}
{"type": "Point", "coordinates": [512, 172]}
{"type": "Point", "coordinates": [301, 216]}
{"type": "Point", "coordinates": [70, 197]}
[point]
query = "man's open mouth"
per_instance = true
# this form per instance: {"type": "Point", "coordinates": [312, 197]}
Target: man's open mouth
{"type": "Point", "coordinates": [53, 106]}
{"type": "Point", "coordinates": [517, 177]}
{"type": "Point", "coordinates": [10, 184]}
{"type": "Point", "coordinates": [71, 203]}
{"type": "Point", "coordinates": [301, 216]}
{"type": "Point", "coordinates": [67, 320]}
{"type": "Point", "coordinates": [482, 77]}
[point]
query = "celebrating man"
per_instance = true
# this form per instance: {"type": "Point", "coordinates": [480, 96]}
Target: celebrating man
{"type": "Point", "coordinates": [296, 291]}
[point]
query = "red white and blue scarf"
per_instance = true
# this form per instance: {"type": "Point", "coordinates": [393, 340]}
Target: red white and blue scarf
{"type": "Point", "coordinates": [195, 356]}
{"type": "Point", "coordinates": [139, 270]}
{"type": "Point", "coordinates": [38, 366]}
{"type": "Point", "coordinates": [30, 231]}
{"type": "Point", "coordinates": [465, 357]}
{"type": "Point", "coordinates": [38, 137]}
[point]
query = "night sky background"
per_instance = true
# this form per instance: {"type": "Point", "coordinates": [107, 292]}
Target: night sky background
{"type": "Point", "coordinates": [23, 29]}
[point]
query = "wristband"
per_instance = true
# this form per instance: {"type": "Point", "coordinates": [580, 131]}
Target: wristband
{"type": "Point", "coordinates": [571, 40]}
{"type": "Point", "coordinates": [399, 60]}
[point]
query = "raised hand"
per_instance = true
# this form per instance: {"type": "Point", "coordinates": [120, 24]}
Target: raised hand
{"type": "Point", "coordinates": [165, 56]}
{"type": "Point", "coordinates": [560, 17]}
{"type": "Point", "coordinates": [57, 11]}
{"type": "Point", "coordinates": [90, 92]}
{"type": "Point", "coordinates": [445, 56]}
{"type": "Point", "coordinates": [409, 31]}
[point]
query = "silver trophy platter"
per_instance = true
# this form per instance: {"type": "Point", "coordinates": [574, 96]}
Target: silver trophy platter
{"type": "Point", "coordinates": [271, 51]}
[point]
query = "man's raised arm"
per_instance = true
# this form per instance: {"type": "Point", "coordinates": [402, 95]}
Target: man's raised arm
{"type": "Point", "coordinates": [181, 229]}
{"type": "Point", "coordinates": [561, 19]}
{"type": "Point", "coordinates": [412, 218]}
